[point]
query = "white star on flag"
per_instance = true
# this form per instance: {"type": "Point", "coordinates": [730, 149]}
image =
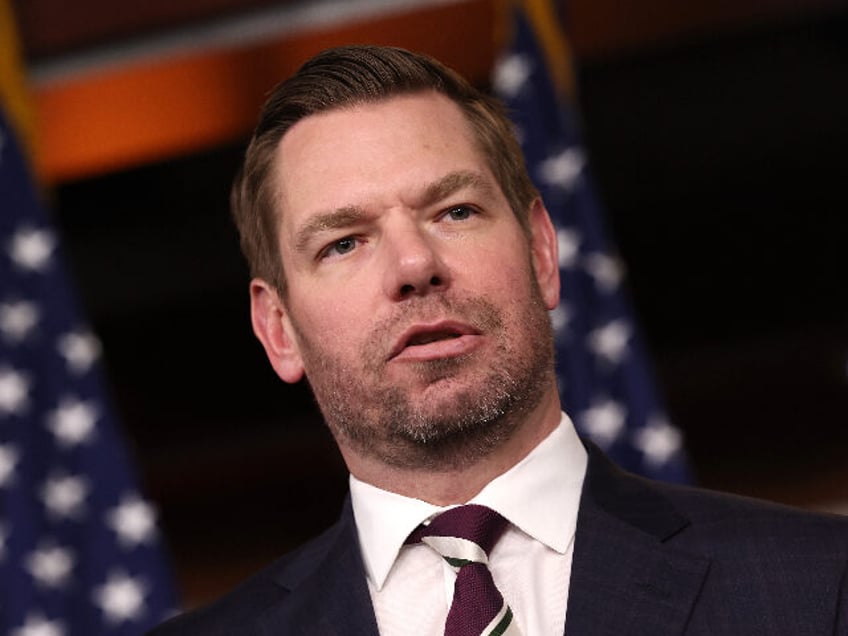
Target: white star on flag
{"type": "Point", "coordinates": [606, 271]}
{"type": "Point", "coordinates": [80, 350]}
{"type": "Point", "coordinates": [121, 598]}
{"type": "Point", "coordinates": [31, 249]}
{"type": "Point", "coordinates": [563, 169]}
{"type": "Point", "coordinates": [14, 391]}
{"type": "Point", "coordinates": [134, 520]}
{"type": "Point", "coordinates": [568, 247]}
{"type": "Point", "coordinates": [511, 74]}
{"type": "Point", "coordinates": [73, 422]}
{"type": "Point", "coordinates": [50, 565]}
{"type": "Point", "coordinates": [604, 422]}
{"type": "Point", "coordinates": [610, 341]}
{"type": "Point", "coordinates": [17, 319]}
{"type": "Point", "coordinates": [37, 625]}
{"type": "Point", "coordinates": [64, 495]}
{"type": "Point", "coordinates": [8, 460]}
{"type": "Point", "coordinates": [659, 441]}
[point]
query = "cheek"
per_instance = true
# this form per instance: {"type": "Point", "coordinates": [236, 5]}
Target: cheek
{"type": "Point", "coordinates": [338, 330]}
{"type": "Point", "coordinates": [329, 314]}
{"type": "Point", "coordinates": [507, 275]}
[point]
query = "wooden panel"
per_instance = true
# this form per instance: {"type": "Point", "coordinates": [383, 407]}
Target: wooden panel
{"type": "Point", "coordinates": [145, 112]}
{"type": "Point", "coordinates": [53, 27]}
{"type": "Point", "coordinates": [150, 110]}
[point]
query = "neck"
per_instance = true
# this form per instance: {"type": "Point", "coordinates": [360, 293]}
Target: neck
{"type": "Point", "coordinates": [457, 485]}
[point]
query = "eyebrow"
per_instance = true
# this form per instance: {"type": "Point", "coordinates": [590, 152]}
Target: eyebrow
{"type": "Point", "coordinates": [333, 220]}
{"type": "Point", "coordinates": [451, 183]}
{"type": "Point", "coordinates": [349, 215]}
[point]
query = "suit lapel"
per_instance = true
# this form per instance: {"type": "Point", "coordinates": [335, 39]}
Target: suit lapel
{"type": "Point", "coordinates": [625, 577]}
{"type": "Point", "coordinates": [327, 590]}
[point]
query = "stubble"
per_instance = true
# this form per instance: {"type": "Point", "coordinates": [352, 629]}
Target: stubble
{"type": "Point", "coordinates": [467, 410]}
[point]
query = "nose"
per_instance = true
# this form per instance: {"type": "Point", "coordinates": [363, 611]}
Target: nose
{"type": "Point", "coordinates": [413, 264]}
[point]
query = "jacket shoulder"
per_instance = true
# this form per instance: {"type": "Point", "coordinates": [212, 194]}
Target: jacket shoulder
{"type": "Point", "coordinates": [740, 565]}
{"type": "Point", "coordinates": [237, 612]}
{"type": "Point", "coordinates": [724, 520]}
{"type": "Point", "coordinates": [689, 515]}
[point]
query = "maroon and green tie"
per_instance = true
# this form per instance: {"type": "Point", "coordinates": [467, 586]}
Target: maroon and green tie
{"type": "Point", "coordinates": [464, 537]}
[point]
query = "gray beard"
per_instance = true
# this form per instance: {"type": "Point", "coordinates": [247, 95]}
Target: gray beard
{"type": "Point", "coordinates": [382, 422]}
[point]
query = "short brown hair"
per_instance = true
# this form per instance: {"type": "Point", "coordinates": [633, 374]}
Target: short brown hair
{"type": "Point", "coordinates": [348, 76]}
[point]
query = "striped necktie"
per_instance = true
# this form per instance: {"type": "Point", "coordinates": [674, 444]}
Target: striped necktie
{"type": "Point", "coordinates": [464, 536]}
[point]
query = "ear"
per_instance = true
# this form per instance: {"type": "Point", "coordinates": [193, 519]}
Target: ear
{"type": "Point", "coordinates": [272, 325]}
{"type": "Point", "coordinates": [543, 246]}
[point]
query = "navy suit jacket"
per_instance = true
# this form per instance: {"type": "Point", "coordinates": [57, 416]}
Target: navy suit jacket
{"type": "Point", "coordinates": [649, 559]}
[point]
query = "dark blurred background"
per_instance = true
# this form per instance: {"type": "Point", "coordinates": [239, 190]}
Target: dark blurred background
{"type": "Point", "coordinates": [717, 134]}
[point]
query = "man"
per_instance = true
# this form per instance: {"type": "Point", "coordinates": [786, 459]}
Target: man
{"type": "Point", "coordinates": [404, 264]}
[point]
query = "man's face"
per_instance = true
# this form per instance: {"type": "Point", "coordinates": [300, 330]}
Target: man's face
{"type": "Point", "coordinates": [412, 304]}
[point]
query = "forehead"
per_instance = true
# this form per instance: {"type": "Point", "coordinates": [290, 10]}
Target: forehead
{"type": "Point", "coordinates": [372, 151]}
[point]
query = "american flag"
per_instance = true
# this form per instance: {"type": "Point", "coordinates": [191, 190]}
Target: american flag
{"type": "Point", "coordinates": [79, 554]}
{"type": "Point", "coordinates": [605, 380]}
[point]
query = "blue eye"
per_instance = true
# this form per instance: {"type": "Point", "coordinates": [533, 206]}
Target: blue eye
{"type": "Point", "coordinates": [344, 245]}
{"type": "Point", "coordinates": [340, 247]}
{"type": "Point", "coordinates": [460, 213]}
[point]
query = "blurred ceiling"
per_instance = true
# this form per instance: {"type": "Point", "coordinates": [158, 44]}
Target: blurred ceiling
{"type": "Point", "coordinates": [138, 69]}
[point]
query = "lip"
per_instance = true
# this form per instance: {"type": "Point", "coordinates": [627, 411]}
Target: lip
{"type": "Point", "coordinates": [463, 339]}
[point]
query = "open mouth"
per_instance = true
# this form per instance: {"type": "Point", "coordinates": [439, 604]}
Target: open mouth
{"type": "Point", "coordinates": [428, 338]}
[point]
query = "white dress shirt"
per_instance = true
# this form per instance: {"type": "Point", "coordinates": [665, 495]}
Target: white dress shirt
{"type": "Point", "coordinates": [411, 586]}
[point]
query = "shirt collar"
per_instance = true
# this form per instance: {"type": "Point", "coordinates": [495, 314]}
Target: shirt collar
{"type": "Point", "coordinates": [553, 472]}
